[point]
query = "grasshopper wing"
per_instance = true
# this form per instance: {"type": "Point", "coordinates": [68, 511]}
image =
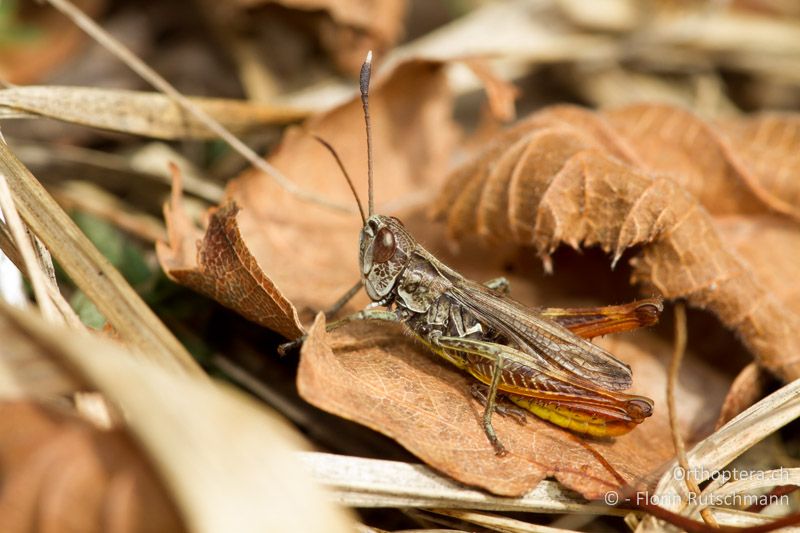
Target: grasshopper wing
{"type": "Point", "coordinates": [548, 344]}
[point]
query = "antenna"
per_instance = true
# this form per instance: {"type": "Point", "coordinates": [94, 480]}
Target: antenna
{"type": "Point", "coordinates": [330, 148]}
{"type": "Point", "coordinates": [366, 71]}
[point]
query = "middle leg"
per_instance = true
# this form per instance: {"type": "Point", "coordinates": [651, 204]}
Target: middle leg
{"type": "Point", "coordinates": [490, 352]}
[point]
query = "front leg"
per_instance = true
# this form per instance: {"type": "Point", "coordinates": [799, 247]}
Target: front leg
{"type": "Point", "coordinates": [342, 301]}
{"type": "Point", "coordinates": [364, 314]}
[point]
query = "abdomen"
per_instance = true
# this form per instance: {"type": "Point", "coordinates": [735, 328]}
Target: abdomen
{"type": "Point", "coordinates": [576, 407]}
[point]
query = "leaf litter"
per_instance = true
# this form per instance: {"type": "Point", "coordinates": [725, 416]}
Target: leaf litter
{"type": "Point", "coordinates": [749, 203]}
{"type": "Point", "coordinates": [563, 175]}
{"type": "Point", "coordinates": [377, 375]}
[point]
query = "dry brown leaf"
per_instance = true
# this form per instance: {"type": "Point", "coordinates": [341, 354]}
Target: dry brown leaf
{"type": "Point", "coordinates": [659, 178]}
{"type": "Point", "coordinates": [52, 464]}
{"type": "Point", "coordinates": [500, 93]}
{"type": "Point", "coordinates": [766, 148]}
{"type": "Point", "coordinates": [699, 158]}
{"type": "Point", "coordinates": [465, 193]}
{"type": "Point", "coordinates": [221, 267]}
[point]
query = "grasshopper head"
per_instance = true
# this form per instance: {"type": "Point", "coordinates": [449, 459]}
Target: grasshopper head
{"type": "Point", "coordinates": [386, 248]}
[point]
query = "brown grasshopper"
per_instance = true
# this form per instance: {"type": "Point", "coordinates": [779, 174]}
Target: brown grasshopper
{"type": "Point", "coordinates": [528, 355]}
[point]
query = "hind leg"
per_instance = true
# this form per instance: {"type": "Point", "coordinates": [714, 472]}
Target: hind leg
{"type": "Point", "coordinates": [480, 392]}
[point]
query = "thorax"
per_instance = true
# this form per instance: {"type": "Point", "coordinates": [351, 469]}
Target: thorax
{"type": "Point", "coordinates": [421, 285]}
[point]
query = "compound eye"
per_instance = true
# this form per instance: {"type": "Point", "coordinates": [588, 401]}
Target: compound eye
{"type": "Point", "coordinates": [384, 246]}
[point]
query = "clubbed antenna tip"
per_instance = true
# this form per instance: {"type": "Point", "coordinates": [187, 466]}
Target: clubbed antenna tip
{"type": "Point", "coordinates": [366, 71]}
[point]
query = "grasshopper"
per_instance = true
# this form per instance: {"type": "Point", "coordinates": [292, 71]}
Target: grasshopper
{"type": "Point", "coordinates": [527, 355]}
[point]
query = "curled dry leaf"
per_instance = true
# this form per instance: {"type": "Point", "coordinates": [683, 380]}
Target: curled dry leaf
{"type": "Point", "coordinates": [499, 93]}
{"type": "Point", "coordinates": [377, 375]}
{"type": "Point", "coordinates": [693, 195]}
{"type": "Point", "coordinates": [54, 463]}
{"type": "Point", "coordinates": [221, 266]}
